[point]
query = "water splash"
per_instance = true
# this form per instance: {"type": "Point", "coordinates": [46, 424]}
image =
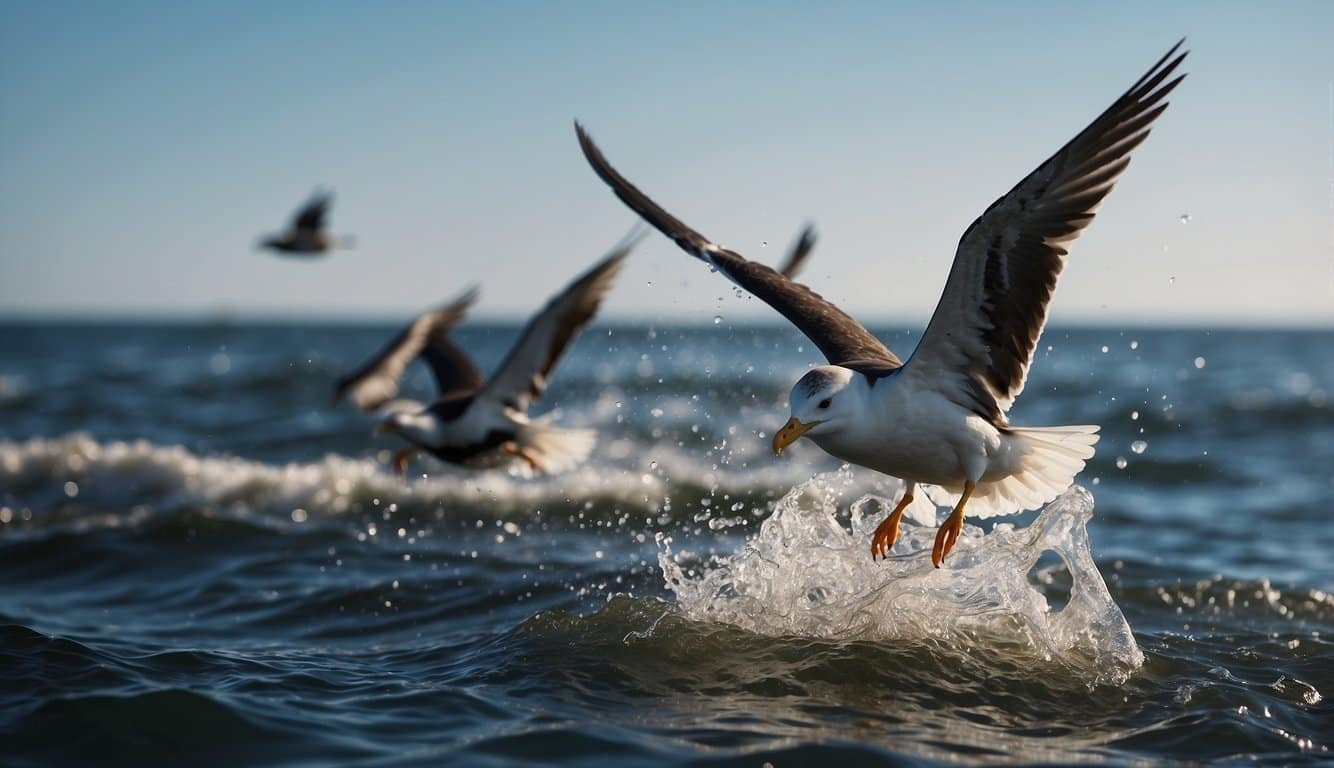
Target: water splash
{"type": "Point", "coordinates": [807, 574]}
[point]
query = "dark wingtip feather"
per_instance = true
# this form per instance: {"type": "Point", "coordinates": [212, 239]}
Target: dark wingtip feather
{"type": "Point", "coordinates": [800, 251]}
{"type": "Point", "coordinates": [1158, 65]}
{"type": "Point", "coordinates": [467, 297]}
{"type": "Point", "coordinates": [632, 238]}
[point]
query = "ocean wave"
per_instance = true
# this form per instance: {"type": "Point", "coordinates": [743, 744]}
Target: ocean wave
{"type": "Point", "coordinates": [76, 478]}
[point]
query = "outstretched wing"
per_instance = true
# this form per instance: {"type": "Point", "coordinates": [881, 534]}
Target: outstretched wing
{"type": "Point", "coordinates": [522, 376]}
{"type": "Point", "coordinates": [311, 216]}
{"type": "Point", "coordinates": [980, 341]}
{"type": "Point", "coordinates": [842, 340]}
{"type": "Point", "coordinates": [376, 381]}
{"type": "Point", "coordinates": [453, 369]}
{"type": "Point", "coordinates": [796, 257]}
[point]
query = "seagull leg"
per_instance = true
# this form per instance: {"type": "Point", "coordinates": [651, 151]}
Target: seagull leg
{"type": "Point", "coordinates": [951, 528]}
{"type": "Point", "coordinates": [401, 459]}
{"type": "Point", "coordinates": [888, 531]}
{"type": "Point", "coordinates": [514, 449]}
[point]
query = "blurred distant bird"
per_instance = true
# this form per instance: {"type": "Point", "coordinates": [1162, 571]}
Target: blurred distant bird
{"type": "Point", "coordinates": [478, 422]}
{"type": "Point", "coordinates": [797, 255]}
{"type": "Point", "coordinates": [940, 419]}
{"type": "Point", "coordinates": [307, 236]}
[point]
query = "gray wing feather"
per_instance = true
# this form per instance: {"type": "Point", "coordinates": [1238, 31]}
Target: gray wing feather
{"type": "Point", "coordinates": [980, 341]}
{"type": "Point", "coordinates": [842, 340]}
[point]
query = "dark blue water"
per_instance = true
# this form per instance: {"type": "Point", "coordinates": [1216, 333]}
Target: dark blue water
{"type": "Point", "coordinates": [205, 564]}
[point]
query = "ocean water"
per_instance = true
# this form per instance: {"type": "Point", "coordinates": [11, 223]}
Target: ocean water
{"type": "Point", "coordinates": [205, 563]}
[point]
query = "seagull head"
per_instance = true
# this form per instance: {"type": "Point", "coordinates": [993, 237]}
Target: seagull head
{"type": "Point", "coordinates": [821, 402]}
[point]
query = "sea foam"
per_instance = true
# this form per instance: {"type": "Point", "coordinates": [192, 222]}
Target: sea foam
{"type": "Point", "coordinates": [114, 476]}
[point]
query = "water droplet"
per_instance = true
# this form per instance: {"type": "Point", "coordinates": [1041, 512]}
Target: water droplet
{"type": "Point", "coordinates": [1171, 280]}
{"type": "Point", "coordinates": [1199, 362]}
{"type": "Point", "coordinates": [1184, 218]}
{"type": "Point", "coordinates": [764, 243]}
{"type": "Point", "coordinates": [1134, 345]}
{"type": "Point", "coordinates": [71, 489]}
{"type": "Point", "coordinates": [1121, 462]}
{"type": "Point", "coordinates": [653, 465]}
{"type": "Point", "coordinates": [650, 283]}
{"type": "Point", "coordinates": [1104, 349]}
{"type": "Point", "coordinates": [1138, 447]}
{"type": "Point", "coordinates": [299, 515]}
{"type": "Point", "coordinates": [717, 319]}
{"type": "Point", "coordinates": [1134, 415]}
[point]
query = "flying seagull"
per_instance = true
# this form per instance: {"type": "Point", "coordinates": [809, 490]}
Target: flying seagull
{"type": "Point", "coordinates": [798, 253]}
{"type": "Point", "coordinates": [484, 422]}
{"type": "Point", "coordinates": [940, 419]}
{"type": "Point", "coordinates": [306, 236]}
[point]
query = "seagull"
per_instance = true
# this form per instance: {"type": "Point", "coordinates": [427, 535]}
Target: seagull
{"type": "Point", "coordinates": [478, 422]}
{"type": "Point", "coordinates": [306, 236]}
{"type": "Point", "coordinates": [940, 419]}
{"type": "Point", "coordinates": [798, 253]}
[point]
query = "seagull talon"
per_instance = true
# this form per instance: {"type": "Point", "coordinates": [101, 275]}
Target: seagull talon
{"type": "Point", "coordinates": [515, 450]}
{"type": "Point", "coordinates": [888, 531]}
{"type": "Point", "coordinates": [401, 459]}
{"type": "Point", "coordinates": [949, 531]}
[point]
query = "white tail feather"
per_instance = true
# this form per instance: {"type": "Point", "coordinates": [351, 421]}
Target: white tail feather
{"type": "Point", "coordinates": [1052, 457]}
{"type": "Point", "coordinates": [554, 449]}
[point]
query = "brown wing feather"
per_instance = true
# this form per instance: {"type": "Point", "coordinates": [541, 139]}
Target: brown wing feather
{"type": "Point", "coordinates": [842, 340]}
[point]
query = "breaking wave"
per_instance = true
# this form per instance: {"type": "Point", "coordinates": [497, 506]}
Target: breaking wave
{"type": "Point", "coordinates": [77, 476]}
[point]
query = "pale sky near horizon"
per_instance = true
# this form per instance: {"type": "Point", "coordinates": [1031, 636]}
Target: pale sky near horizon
{"type": "Point", "coordinates": [144, 147]}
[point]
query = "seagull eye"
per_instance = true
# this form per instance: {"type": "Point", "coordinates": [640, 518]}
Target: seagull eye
{"type": "Point", "coordinates": [825, 402]}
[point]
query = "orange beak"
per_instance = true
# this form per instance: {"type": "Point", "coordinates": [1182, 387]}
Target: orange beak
{"type": "Point", "coordinates": [788, 435]}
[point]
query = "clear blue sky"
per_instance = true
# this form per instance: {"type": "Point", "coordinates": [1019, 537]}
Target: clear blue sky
{"type": "Point", "coordinates": [145, 146]}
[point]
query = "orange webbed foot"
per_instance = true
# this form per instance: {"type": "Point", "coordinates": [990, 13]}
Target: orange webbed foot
{"type": "Point", "coordinates": [948, 534]}
{"type": "Point", "coordinates": [401, 459]}
{"type": "Point", "coordinates": [888, 531]}
{"type": "Point", "coordinates": [513, 449]}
